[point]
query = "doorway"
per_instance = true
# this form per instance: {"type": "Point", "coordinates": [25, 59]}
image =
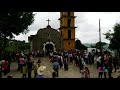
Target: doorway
{"type": "Point", "coordinates": [48, 48]}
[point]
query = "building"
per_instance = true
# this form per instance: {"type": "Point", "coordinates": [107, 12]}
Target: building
{"type": "Point", "coordinates": [46, 39]}
{"type": "Point", "coordinates": [51, 39]}
{"type": "Point", "coordinates": [67, 29]}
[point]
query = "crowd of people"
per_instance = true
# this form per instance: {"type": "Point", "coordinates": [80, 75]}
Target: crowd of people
{"type": "Point", "coordinates": [106, 63]}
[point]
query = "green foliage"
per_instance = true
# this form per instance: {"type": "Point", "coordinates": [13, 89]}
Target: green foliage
{"type": "Point", "coordinates": [15, 45]}
{"type": "Point", "coordinates": [79, 45]}
{"type": "Point", "coordinates": [14, 23]}
{"type": "Point", "coordinates": [108, 35]}
{"type": "Point", "coordinates": [114, 38]}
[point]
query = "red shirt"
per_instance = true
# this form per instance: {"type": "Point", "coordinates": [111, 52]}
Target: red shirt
{"type": "Point", "coordinates": [5, 64]}
{"type": "Point", "coordinates": [22, 61]}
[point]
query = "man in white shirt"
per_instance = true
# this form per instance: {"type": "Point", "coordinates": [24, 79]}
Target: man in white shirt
{"type": "Point", "coordinates": [98, 61]}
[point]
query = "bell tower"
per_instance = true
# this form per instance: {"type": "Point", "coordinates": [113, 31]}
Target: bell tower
{"type": "Point", "coordinates": [67, 30]}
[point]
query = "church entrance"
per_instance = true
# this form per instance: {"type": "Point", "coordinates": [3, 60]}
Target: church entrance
{"type": "Point", "coordinates": [48, 48]}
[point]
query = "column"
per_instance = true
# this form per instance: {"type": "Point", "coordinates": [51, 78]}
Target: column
{"type": "Point", "coordinates": [44, 47]}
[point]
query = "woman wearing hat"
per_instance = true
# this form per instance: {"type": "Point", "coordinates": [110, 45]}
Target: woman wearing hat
{"type": "Point", "coordinates": [40, 72]}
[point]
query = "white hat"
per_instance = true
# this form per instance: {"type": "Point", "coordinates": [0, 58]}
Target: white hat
{"type": "Point", "coordinates": [41, 70]}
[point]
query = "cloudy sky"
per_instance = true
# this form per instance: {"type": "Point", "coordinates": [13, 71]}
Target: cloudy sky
{"type": "Point", "coordinates": [87, 24]}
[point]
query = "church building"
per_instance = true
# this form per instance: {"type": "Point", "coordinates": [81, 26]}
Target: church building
{"type": "Point", "coordinates": [51, 39]}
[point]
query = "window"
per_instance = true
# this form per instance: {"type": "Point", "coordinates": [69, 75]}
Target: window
{"type": "Point", "coordinates": [69, 43]}
{"type": "Point", "coordinates": [68, 13]}
{"type": "Point", "coordinates": [69, 34]}
{"type": "Point", "coordinates": [69, 21]}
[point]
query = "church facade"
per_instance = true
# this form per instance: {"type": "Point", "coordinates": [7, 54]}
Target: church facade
{"type": "Point", "coordinates": [45, 39]}
{"type": "Point", "coordinates": [49, 38]}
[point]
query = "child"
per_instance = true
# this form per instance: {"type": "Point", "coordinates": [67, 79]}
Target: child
{"type": "Point", "coordinates": [54, 74]}
{"type": "Point", "coordinates": [39, 62]}
{"type": "Point", "coordinates": [35, 69]}
{"type": "Point", "coordinates": [86, 73]}
{"type": "Point", "coordinates": [82, 73]}
{"type": "Point", "coordinates": [24, 70]}
{"type": "Point", "coordinates": [100, 70]}
{"type": "Point", "coordinates": [105, 71]}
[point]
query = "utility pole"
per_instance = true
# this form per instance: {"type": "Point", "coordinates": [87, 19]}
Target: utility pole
{"type": "Point", "coordinates": [100, 38]}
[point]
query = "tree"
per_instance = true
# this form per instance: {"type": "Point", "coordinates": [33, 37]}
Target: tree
{"type": "Point", "coordinates": [14, 23]}
{"type": "Point", "coordinates": [16, 45]}
{"type": "Point", "coordinates": [79, 45]}
{"type": "Point", "coordinates": [100, 43]}
{"type": "Point", "coordinates": [114, 38]}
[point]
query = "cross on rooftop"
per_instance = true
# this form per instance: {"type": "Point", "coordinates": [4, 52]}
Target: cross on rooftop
{"type": "Point", "coordinates": [48, 21]}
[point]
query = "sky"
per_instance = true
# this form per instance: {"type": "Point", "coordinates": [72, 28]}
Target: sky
{"type": "Point", "coordinates": [87, 24]}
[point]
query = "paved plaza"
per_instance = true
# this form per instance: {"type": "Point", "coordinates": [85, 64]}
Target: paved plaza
{"type": "Point", "coordinates": [73, 71]}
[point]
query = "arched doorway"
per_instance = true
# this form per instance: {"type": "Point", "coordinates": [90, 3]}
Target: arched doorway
{"type": "Point", "coordinates": [49, 45]}
{"type": "Point", "coordinates": [48, 48]}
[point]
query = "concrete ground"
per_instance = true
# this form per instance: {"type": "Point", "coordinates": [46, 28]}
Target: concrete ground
{"type": "Point", "coordinates": [73, 71]}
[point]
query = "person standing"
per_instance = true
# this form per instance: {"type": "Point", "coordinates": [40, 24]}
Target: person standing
{"type": "Point", "coordinates": [56, 67]}
{"type": "Point", "coordinates": [70, 57]}
{"type": "Point", "coordinates": [65, 61]}
{"type": "Point", "coordinates": [29, 67]}
{"type": "Point", "coordinates": [110, 66]}
{"type": "Point", "coordinates": [82, 73]}
{"type": "Point", "coordinates": [89, 58]}
{"type": "Point", "coordinates": [54, 74]}
{"type": "Point", "coordinates": [39, 62]}
{"type": "Point", "coordinates": [86, 72]}
{"type": "Point", "coordinates": [100, 70]}
{"type": "Point", "coordinates": [115, 62]}
{"type": "Point", "coordinates": [98, 60]}
{"type": "Point", "coordinates": [105, 71]}
{"type": "Point", "coordinates": [35, 69]}
{"type": "Point", "coordinates": [109, 70]}
{"type": "Point", "coordinates": [24, 71]}
{"type": "Point", "coordinates": [22, 62]}
{"type": "Point", "coordinates": [86, 58]}
{"type": "Point", "coordinates": [5, 67]}
{"type": "Point", "coordinates": [60, 61]}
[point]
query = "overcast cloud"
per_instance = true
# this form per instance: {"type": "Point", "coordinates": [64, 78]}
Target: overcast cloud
{"type": "Point", "coordinates": [87, 24]}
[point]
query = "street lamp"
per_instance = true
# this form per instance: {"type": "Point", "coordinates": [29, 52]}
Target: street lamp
{"type": "Point", "coordinates": [100, 38]}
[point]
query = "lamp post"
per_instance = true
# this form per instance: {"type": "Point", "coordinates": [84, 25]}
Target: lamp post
{"type": "Point", "coordinates": [100, 38]}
